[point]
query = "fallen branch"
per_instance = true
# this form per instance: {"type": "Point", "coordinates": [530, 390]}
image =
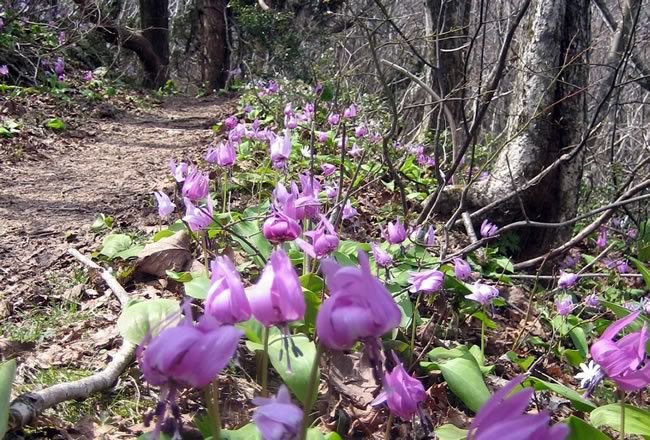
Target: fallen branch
{"type": "Point", "coordinates": [26, 408]}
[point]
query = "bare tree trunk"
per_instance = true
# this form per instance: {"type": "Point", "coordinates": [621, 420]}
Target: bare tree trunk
{"type": "Point", "coordinates": [214, 42]}
{"type": "Point", "coordinates": [154, 20]}
{"type": "Point", "coordinates": [547, 117]}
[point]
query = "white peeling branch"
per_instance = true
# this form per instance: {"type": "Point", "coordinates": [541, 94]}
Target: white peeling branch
{"type": "Point", "coordinates": [27, 407]}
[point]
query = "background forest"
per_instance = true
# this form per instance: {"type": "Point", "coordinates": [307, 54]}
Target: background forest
{"type": "Point", "coordinates": [329, 219]}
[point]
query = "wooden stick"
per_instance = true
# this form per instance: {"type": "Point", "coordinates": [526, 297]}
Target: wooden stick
{"type": "Point", "coordinates": [26, 408]}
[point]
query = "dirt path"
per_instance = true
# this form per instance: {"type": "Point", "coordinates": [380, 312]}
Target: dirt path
{"type": "Point", "coordinates": [48, 205]}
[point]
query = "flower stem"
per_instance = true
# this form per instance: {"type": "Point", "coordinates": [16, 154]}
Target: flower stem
{"type": "Point", "coordinates": [212, 400]}
{"type": "Point", "coordinates": [225, 191]}
{"type": "Point", "coordinates": [389, 425]}
{"type": "Point", "coordinates": [204, 247]}
{"type": "Point", "coordinates": [265, 363]}
{"type": "Point", "coordinates": [483, 338]}
{"type": "Point", "coordinates": [622, 430]}
{"type": "Point", "coordinates": [414, 325]}
{"type": "Point", "coordinates": [312, 392]}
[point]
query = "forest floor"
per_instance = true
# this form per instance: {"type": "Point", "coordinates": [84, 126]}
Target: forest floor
{"type": "Point", "coordinates": [51, 316]}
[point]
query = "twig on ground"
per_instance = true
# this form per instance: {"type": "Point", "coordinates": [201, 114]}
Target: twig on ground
{"type": "Point", "coordinates": [26, 408]}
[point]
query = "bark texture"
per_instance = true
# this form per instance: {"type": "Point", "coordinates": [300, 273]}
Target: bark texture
{"type": "Point", "coordinates": [154, 20]}
{"type": "Point", "coordinates": [215, 44]}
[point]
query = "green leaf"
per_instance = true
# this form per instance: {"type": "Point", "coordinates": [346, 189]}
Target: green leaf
{"type": "Point", "coordinates": [131, 252]}
{"type": "Point", "coordinates": [579, 339]}
{"type": "Point", "coordinates": [298, 378]}
{"type": "Point", "coordinates": [405, 305]}
{"type": "Point", "coordinates": [580, 403]}
{"type": "Point", "coordinates": [138, 319]}
{"type": "Point", "coordinates": [252, 235]}
{"type": "Point", "coordinates": [7, 375]}
{"type": "Point", "coordinates": [333, 436]}
{"type": "Point", "coordinates": [581, 430]}
{"type": "Point", "coordinates": [198, 286]}
{"type": "Point", "coordinates": [55, 124]}
{"type": "Point", "coordinates": [524, 363]}
{"type": "Point", "coordinates": [179, 277]}
{"type": "Point", "coordinates": [465, 380]}
{"type": "Point", "coordinates": [313, 282]}
{"type": "Point", "coordinates": [113, 244]}
{"type": "Point", "coordinates": [327, 94]}
{"type": "Point", "coordinates": [147, 436]}
{"type": "Point", "coordinates": [643, 270]}
{"type": "Point", "coordinates": [637, 420]}
{"type": "Point", "coordinates": [247, 432]}
{"type": "Point", "coordinates": [254, 332]}
{"type": "Point", "coordinates": [102, 222]}
{"type": "Point", "coordinates": [450, 432]}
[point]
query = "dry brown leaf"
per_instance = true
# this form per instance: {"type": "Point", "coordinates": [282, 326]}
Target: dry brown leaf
{"type": "Point", "coordinates": [351, 375]}
{"type": "Point", "coordinates": [11, 349]}
{"type": "Point", "coordinates": [170, 253]}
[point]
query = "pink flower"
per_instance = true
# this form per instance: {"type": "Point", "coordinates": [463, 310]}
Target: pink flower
{"type": "Point", "coordinates": [165, 205]}
{"type": "Point", "coordinates": [382, 258]}
{"type": "Point", "coordinates": [324, 240]}
{"type": "Point", "coordinates": [281, 150]}
{"type": "Point", "coordinates": [403, 393]}
{"type": "Point", "coordinates": [350, 112]}
{"type": "Point", "coordinates": [462, 270]}
{"type": "Point", "coordinates": [196, 217]}
{"type": "Point", "coordinates": [223, 154]}
{"type": "Point", "coordinates": [281, 226]}
{"type": "Point", "coordinates": [334, 118]}
{"type": "Point", "coordinates": [567, 280]}
{"type": "Point", "coordinates": [361, 131]}
{"type": "Point", "coordinates": [488, 229]}
{"type": "Point", "coordinates": [226, 300]}
{"type": "Point", "coordinates": [277, 418]}
{"type": "Point", "coordinates": [564, 305]}
{"type": "Point", "coordinates": [395, 233]}
{"type": "Point", "coordinates": [328, 169]}
{"type": "Point", "coordinates": [624, 361]}
{"type": "Point", "coordinates": [428, 281]}
{"type": "Point", "coordinates": [601, 242]}
{"type": "Point", "coordinates": [483, 294]}
{"type": "Point", "coordinates": [179, 172]}
{"type": "Point", "coordinates": [195, 186]}
{"type": "Point", "coordinates": [349, 211]}
{"type": "Point", "coordinates": [230, 122]}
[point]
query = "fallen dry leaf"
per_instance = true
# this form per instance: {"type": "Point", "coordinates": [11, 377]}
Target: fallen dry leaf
{"type": "Point", "coordinates": [170, 253]}
{"type": "Point", "coordinates": [351, 375]}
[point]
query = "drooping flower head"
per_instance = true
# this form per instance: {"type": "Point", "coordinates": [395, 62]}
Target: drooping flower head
{"type": "Point", "coordinates": [226, 300]}
{"type": "Point", "coordinates": [324, 240]}
{"type": "Point", "coordinates": [620, 265]}
{"type": "Point", "coordinates": [277, 418]}
{"type": "Point", "coordinates": [382, 258]}
{"type": "Point", "coordinates": [165, 205]}
{"type": "Point", "coordinates": [334, 118]}
{"type": "Point", "coordinates": [567, 280]}
{"type": "Point", "coordinates": [307, 203]}
{"type": "Point", "coordinates": [361, 131]}
{"type": "Point", "coordinates": [281, 225]}
{"type": "Point", "coordinates": [4, 70]}
{"type": "Point", "coordinates": [488, 229]}
{"type": "Point", "coordinates": [178, 171]}
{"type": "Point", "coordinates": [483, 293]}
{"type": "Point", "coordinates": [88, 75]}
{"type": "Point", "coordinates": [350, 112]}
{"type": "Point", "coordinates": [323, 136]}
{"type": "Point", "coordinates": [502, 417]}
{"type": "Point", "coordinates": [223, 154]}
{"type": "Point", "coordinates": [196, 185]}
{"type": "Point", "coordinates": [327, 169]}
{"type": "Point", "coordinates": [428, 281]}
{"type": "Point", "coordinates": [230, 122]}
{"type": "Point", "coordinates": [349, 211]}
{"type": "Point", "coordinates": [359, 308]}
{"type": "Point", "coordinates": [281, 150]}
{"type": "Point", "coordinates": [402, 392]}
{"type": "Point", "coordinates": [355, 151]}
{"type": "Point", "coordinates": [331, 191]}
{"type": "Point", "coordinates": [430, 237]}
{"type": "Point", "coordinates": [601, 242]}
{"type": "Point", "coordinates": [592, 300]}
{"type": "Point", "coordinates": [462, 270]}
{"type": "Point", "coordinates": [564, 305]}
{"type": "Point", "coordinates": [395, 233]}
{"type": "Point", "coordinates": [198, 218]}
{"type": "Point", "coordinates": [59, 66]}
{"type": "Point", "coordinates": [625, 361]}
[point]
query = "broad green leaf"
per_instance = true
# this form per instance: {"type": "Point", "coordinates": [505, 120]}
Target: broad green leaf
{"type": "Point", "coordinates": [102, 222]}
{"type": "Point", "coordinates": [252, 236]}
{"type": "Point", "coordinates": [254, 332]}
{"type": "Point", "coordinates": [465, 380]}
{"type": "Point", "coordinates": [333, 436]}
{"type": "Point", "coordinates": [7, 374]}
{"type": "Point", "coordinates": [622, 312]}
{"type": "Point", "coordinates": [179, 277]}
{"type": "Point", "coordinates": [312, 301]}
{"type": "Point", "coordinates": [581, 430]}
{"type": "Point", "coordinates": [643, 270]}
{"type": "Point", "coordinates": [198, 286]}
{"type": "Point", "coordinates": [475, 351]}
{"type": "Point", "coordinates": [574, 357]}
{"type": "Point", "coordinates": [142, 317]}
{"type": "Point", "coordinates": [580, 403]}
{"type": "Point", "coordinates": [315, 434]}
{"type": "Point", "coordinates": [246, 432]}
{"type": "Point", "coordinates": [113, 244]}
{"type": "Point", "coordinates": [450, 432]}
{"type": "Point", "coordinates": [55, 124]}
{"type": "Point", "coordinates": [524, 363]}
{"type": "Point", "coordinates": [637, 420]}
{"type": "Point", "coordinates": [131, 252]}
{"type": "Point", "coordinates": [579, 339]}
{"type": "Point", "coordinates": [313, 282]}
{"type": "Point", "coordinates": [405, 305]}
{"type": "Point", "coordinates": [298, 378]}
{"type": "Point", "coordinates": [148, 436]}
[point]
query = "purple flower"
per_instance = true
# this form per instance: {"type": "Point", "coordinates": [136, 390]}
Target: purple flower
{"type": "Point", "coordinates": [350, 112]}
{"type": "Point", "coordinates": [592, 300]}
{"type": "Point", "coordinates": [231, 122]}
{"type": "Point", "coordinates": [223, 154]}
{"type": "Point", "coordinates": [189, 355]}
{"type": "Point", "coordinates": [282, 226]}
{"type": "Point", "coordinates": [567, 280]}
{"type": "Point", "coordinates": [59, 66]}
{"type": "Point", "coordinates": [236, 134]}
{"type": "Point", "coordinates": [324, 240]}
{"type": "Point", "coordinates": [601, 242]}
{"type": "Point", "coordinates": [290, 122]}
{"type": "Point", "coordinates": [462, 270]}
{"type": "Point", "coordinates": [88, 75]}
{"type": "Point", "coordinates": [483, 294]}
{"type": "Point", "coordinates": [328, 169]}
{"type": "Point", "coordinates": [331, 191]}
{"type": "Point", "coordinates": [179, 172]}
{"type": "Point", "coordinates": [323, 136]}
{"type": "Point", "coordinates": [349, 211]}
{"type": "Point", "coordinates": [355, 151]}
{"type": "Point", "coordinates": [2, 24]}
{"type": "Point", "coordinates": [61, 38]}
{"type": "Point", "coordinates": [632, 233]}
{"type": "Point", "coordinates": [403, 393]}
{"type": "Point", "coordinates": [570, 261]}
{"type": "Point", "coordinates": [564, 305]}
{"type": "Point", "coordinates": [334, 118]}
{"type": "Point", "coordinates": [428, 281]}
{"type": "Point", "coordinates": [430, 237]}
{"type": "Point", "coordinates": [196, 217]}
{"type": "Point", "coordinates": [502, 418]}
{"type": "Point", "coordinates": [620, 265]}
{"type": "Point", "coordinates": [395, 233]}
{"type": "Point", "coordinates": [281, 150]}
{"type": "Point", "coordinates": [382, 258]}
{"type": "Point", "coordinates": [288, 109]}
{"type": "Point", "coordinates": [165, 205]}
{"type": "Point", "coordinates": [195, 186]}
{"type": "Point", "coordinates": [248, 108]}
{"type": "Point", "coordinates": [375, 138]}
{"type": "Point", "coordinates": [272, 88]}
{"type": "Point", "coordinates": [488, 229]}
{"type": "Point", "coordinates": [277, 418]}
{"type": "Point", "coordinates": [361, 131]}
{"type": "Point", "coordinates": [4, 70]}
{"type": "Point", "coordinates": [226, 300]}
{"type": "Point", "coordinates": [484, 176]}
{"type": "Point", "coordinates": [359, 308]}
{"type": "Point", "coordinates": [624, 361]}
{"type": "Point", "coordinates": [277, 298]}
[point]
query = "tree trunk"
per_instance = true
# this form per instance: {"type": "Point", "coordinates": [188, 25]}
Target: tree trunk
{"type": "Point", "coordinates": [547, 117]}
{"type": "Point", "coordinates": [154, 20]}
{"type": "Point", "coordinates": [214, 38]}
